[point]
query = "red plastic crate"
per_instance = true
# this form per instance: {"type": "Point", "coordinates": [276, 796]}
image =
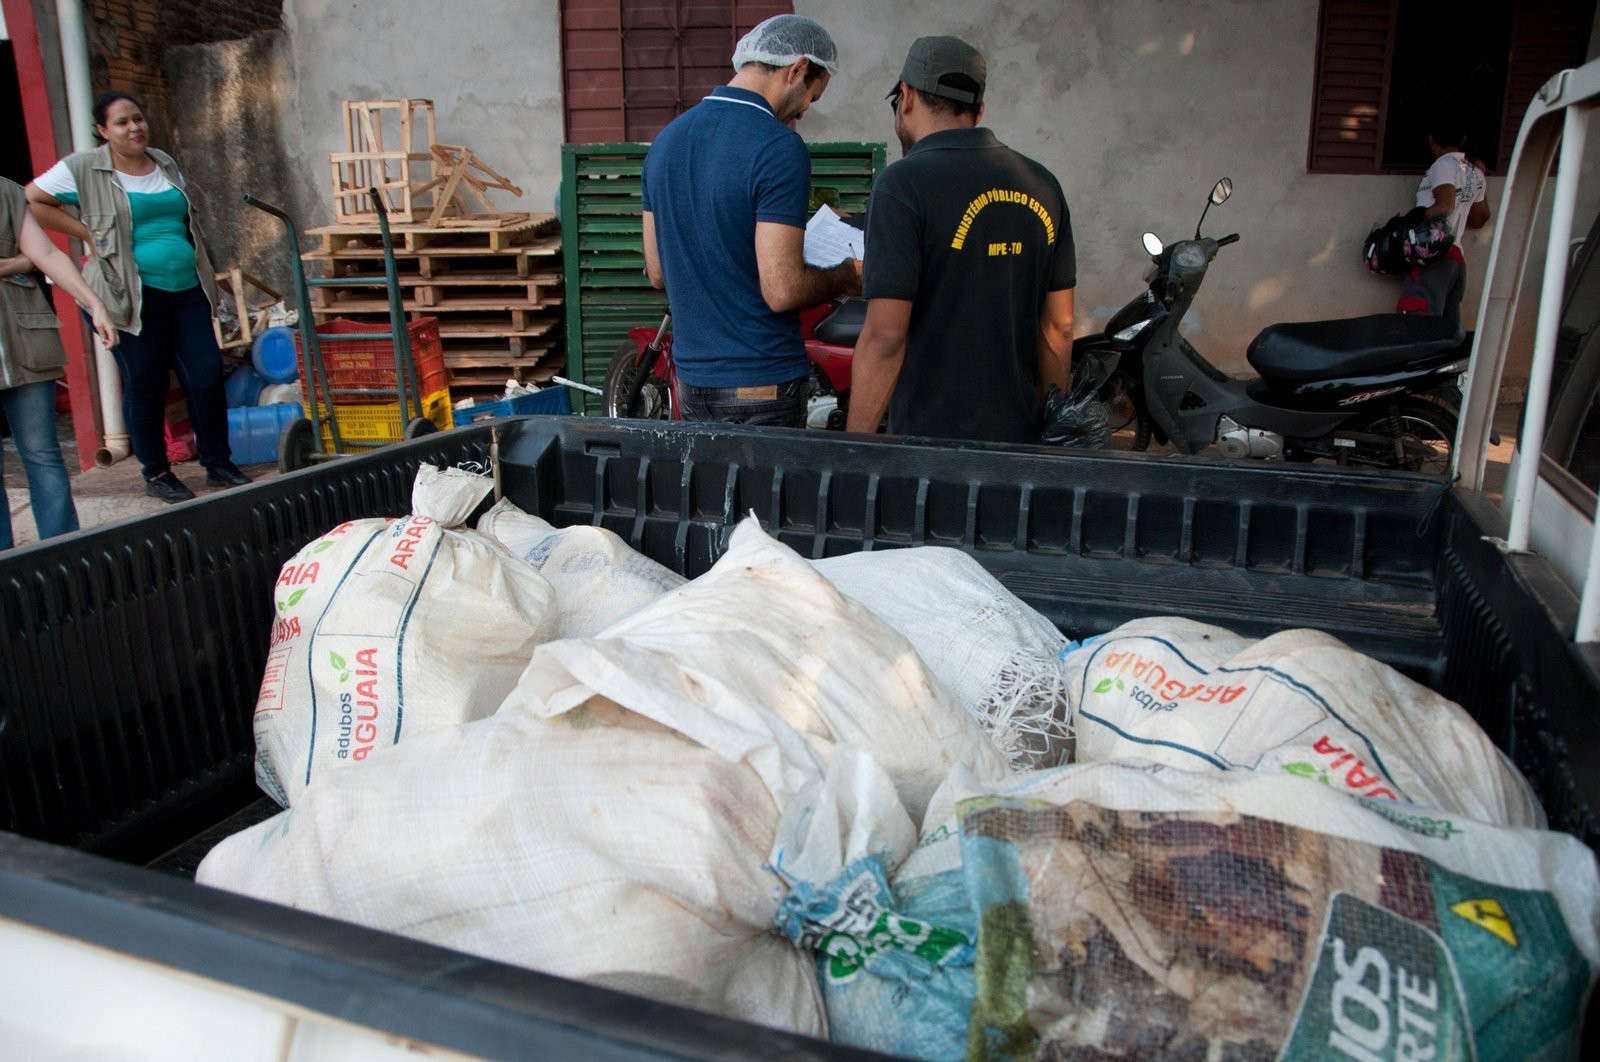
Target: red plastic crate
{"type": "Point", "coordinates": [370, 363]}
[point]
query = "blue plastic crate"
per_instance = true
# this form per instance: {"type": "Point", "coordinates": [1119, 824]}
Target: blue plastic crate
{"type": "Point", "coordinates": [549, 400]}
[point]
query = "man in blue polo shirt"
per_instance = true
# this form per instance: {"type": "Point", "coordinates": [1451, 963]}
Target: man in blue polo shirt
{"type": "Point", "coordinates": [727, 189]}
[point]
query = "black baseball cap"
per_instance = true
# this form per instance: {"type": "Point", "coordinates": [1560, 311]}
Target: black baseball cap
{"type": "Point", "coordinates": [933, 58]}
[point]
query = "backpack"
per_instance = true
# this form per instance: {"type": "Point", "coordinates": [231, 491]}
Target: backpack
{"type": "Point", "coordinates": [1407, 240]}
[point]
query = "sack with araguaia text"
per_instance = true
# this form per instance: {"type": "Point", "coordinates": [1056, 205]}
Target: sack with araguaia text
{"type": "Point", "coordinates": [385, 629]}
{"type": "Point", "coordinates": [1301, 702]}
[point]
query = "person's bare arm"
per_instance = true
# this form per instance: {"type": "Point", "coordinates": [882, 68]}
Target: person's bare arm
{"type": "Point", "coordinates": [20, 263]}
{"type": "Point", "coordinates": [1055, 341]}
{"type": "Point", "coordinates": [652, 254]}
{"type": "Point", "coordinates": [1444, 201]}
{"type": "Point", "coordinates": [880, 351]}
{"type": "Point", "coordinates": [52, 214]}
{"type": "Point", "coordinates": [787, 282]}
{"type": "Point", "coordinates": [55, 264]}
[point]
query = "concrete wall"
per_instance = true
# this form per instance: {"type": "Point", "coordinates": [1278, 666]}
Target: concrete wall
{"type": "Point", "coordinates": [1138, 108]}
{"type": "Point", "coordinates": [491, 67]}
{"type": "Point", "coordinates": [230, 117]}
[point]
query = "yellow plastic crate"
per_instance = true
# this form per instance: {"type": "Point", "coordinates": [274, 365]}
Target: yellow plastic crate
{"type": "Point", "coordinates": [374, 425]}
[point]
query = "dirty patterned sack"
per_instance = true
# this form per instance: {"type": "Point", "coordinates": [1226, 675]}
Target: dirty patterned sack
{"type": "Point", "coordinates": [596, 845]}
{"type": "Point", "coordinates": [386, 629]}
{"type": "Point", "coordinates": [892, 927]}
{"type": "Point", "coordinates": [596, 576]}
{"type": "Point", "coordinates": [1300, 702]}
{"type": "Point", "coordinates": [1135, 911]}
{"type": "Point", "coordinates": [999, 657]}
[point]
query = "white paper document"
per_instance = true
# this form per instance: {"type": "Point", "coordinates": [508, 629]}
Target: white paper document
{"type": "Point", "coordinates": [829, 240]}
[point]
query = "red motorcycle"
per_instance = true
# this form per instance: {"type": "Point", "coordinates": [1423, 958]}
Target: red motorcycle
{"type": "Point", "coordinates": [642, 382]}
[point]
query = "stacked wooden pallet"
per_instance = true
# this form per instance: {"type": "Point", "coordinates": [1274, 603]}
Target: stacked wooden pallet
{"type": "Point", "coordinates": [495, 288]}
{"type": "Point", "coordinates": [491, 277]}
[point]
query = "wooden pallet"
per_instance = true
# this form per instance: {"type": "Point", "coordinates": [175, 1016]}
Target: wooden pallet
{"type": "Point", "coordinates": [477, 234]}
{"type": "Point", "coordinates": [463, 291]}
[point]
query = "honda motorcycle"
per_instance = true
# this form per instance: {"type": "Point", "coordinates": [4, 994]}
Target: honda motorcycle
{"type": "Point", "coordinates": [1365, 391]}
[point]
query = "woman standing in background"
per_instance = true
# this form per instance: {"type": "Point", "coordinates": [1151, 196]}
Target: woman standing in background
{"type": "Point", "coordinates": [148, 263]}
{"type": "Point", "coordinates": [32, 359]}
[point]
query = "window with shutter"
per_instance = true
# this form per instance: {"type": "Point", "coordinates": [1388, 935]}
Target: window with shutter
{"type": "Point", "coordinates": [1386, 69]}
{"type": "Point", "coordinates": [630, 66]}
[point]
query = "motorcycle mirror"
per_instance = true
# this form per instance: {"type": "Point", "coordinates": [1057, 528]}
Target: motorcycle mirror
{"type": "Point", "coordinates": [1153, 245]}
{"type": "Point", "coordinates": [1219, 195]}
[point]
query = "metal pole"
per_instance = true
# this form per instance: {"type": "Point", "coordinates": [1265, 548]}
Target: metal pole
{"type": "Point", "coordinates": [1534, 412]}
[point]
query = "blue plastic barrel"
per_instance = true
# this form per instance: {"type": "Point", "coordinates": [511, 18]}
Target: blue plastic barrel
{"type": "Point", "coordinates": [253, 431]}
{"type": "Point", "coordinates": [274, 357]}
{"type": "Point", "coordinates": [243, 386]}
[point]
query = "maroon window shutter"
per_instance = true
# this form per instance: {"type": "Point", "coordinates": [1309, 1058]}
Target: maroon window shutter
{"type": "Point", "coordinates": [1546, 36]}
{"type": "Point", "coordinates": [631, 66]}
{"type": "Point", "coordinates": [591, 70]}
{"type": "Point", "coordinates": [1354, 46]}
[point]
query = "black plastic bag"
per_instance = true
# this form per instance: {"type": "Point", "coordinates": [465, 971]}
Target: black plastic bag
{"type": "Point", "coordinates": [1079, 419]}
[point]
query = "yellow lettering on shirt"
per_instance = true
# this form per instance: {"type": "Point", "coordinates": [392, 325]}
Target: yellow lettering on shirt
{"type": "Point", "coordinates": [1002, 195]}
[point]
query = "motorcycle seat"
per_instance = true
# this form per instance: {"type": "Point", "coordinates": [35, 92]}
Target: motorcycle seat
{"type": "Point", "coordinates": [1353, 346]}
{"type": "Point", "coordinates": [842, 327]}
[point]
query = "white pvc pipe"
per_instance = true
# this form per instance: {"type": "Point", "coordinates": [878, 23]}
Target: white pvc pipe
{"type": "Point", "coordinates": [1537, 406]}
{"type": "Point", "coordinates": [114, 432]}
{"type": "Point", "coordinates": [75, 67]}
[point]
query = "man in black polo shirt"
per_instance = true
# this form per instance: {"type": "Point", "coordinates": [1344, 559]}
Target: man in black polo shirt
{"type": "Point", "coordinates": [969, 268]}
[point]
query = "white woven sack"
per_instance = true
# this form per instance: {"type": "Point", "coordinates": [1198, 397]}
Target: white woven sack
{"type": "Point", "coordinates": [596, 845]}
{"type": "Point", "coordinates": [597, 577]}
{"type": "Point", "coordinates": [999, 657]}
{"type": "Point", "coordinates": [391, 628]}
{"type": "Point", "coordinates": [1194, 696]}
{"type": "Point", "coordinates": [764, 661]}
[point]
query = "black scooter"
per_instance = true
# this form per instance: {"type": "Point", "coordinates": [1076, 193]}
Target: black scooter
{"type": "Point", "coordinates": [1361, 391]}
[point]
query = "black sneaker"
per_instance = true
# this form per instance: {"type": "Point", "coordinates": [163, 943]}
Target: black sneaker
{"type": "Point", "coordinates": [168, 487]}
{"type": "Point", "coordinates": [226, 474]}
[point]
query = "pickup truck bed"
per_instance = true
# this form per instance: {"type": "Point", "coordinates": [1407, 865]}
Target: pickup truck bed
{"type": "Point", "coordinates": [130, 659]}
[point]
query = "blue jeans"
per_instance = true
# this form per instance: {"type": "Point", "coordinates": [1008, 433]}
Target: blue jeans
{"type": "Point", "coordinates": [174, 334]}
{"type": "Point", "coordinates": [782, 405]}
{"type": "Point", "coordinates": [31, 412]}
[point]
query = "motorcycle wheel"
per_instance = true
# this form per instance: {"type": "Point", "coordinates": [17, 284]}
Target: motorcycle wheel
{"type": "Point", "coordinates": [1130, 425]}
{"type": "Point", "coordinates": [655, 397]}
{"type": "Point", "coordinates": [1427, 433]}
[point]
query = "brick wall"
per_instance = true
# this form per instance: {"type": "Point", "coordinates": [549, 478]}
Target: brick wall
{"type": "Point", "coordinates": [128, 40]}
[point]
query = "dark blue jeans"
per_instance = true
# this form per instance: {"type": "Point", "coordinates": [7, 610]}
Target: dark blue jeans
{"type": "Point", "coordinates": [174, 334]}
{"type": "Point", "coordinates": [31, 411]}
{"type": "Point", "coordinates": [780, 405]}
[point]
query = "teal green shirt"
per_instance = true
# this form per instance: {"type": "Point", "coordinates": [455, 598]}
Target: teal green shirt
{"type": "Point", "coordinates": [161, 247]}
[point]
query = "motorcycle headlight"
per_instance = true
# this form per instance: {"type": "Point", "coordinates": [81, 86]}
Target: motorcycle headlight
{"type": "Point", "coordinates": [1132, 330]}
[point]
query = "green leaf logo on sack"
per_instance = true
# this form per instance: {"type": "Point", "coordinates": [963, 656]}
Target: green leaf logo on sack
{"type": "Point", "coordinates": [1307, 770]}
{"type": "Point", "coordinates": [1106, 685]}
{"type": "Point", "coordinates": [340, 665]}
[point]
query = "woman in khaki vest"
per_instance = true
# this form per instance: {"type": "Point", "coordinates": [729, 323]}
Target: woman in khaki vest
{"type": "Point", "coordinates": [32, 359]}
{"type": "Point", "coordinates": [148, 263]}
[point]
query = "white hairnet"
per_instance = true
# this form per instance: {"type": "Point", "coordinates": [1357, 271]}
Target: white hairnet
{"type": "Point", "coordinates": [784, 39]}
